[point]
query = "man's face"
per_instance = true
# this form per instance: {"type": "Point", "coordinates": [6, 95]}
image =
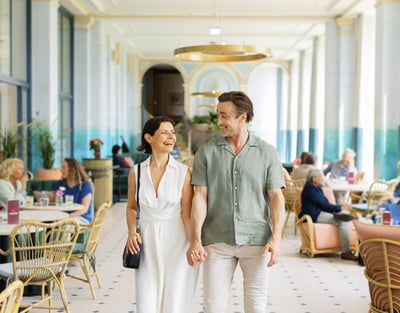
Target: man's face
{"type": "Point", "coordinates": [347, 159]}
{"type": "Point", "coordinates": [228, 121]}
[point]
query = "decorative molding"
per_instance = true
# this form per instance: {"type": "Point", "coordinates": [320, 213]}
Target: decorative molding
{"type": "Point", "coordinates": [380, 2]}
{"type": "Point", "coordinates": [116, 53]}
{"type": "Point", "coordinates": [345, 21]}
{"type": "Point", "coordinates": [84, 20]}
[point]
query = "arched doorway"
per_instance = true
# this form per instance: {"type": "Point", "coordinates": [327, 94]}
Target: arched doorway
{"type": "Point", "coordinates": [163, 92]}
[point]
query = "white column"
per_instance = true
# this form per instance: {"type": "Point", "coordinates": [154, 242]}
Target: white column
{"type": "Point", "coordinates": [45, 60]}
{"type": "Point", "coordinates": [387, 99]}
{"type": "Point", "coordinates": [82, 87]}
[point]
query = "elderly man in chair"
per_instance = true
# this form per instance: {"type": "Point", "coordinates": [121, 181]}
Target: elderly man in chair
{"type": "Point", "coordinates": [315, 204]}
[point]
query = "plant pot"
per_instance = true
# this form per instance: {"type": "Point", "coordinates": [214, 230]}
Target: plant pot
{"type": "Point", "coordinates": [48, 174]}
{"type": "Point", "coordinates": [201, 127]}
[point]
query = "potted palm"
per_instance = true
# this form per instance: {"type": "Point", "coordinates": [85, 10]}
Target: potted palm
{"type": "Point", "coordinates": [44, 143]}
{"type": "Point", "coordinates": [9, 142]}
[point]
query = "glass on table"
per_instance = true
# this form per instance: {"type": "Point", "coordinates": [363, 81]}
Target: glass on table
{"type": "Point", "coordinates": [44, 199]}
{"type": "Point", "coordinates": [69, 199]}
{"type": "Point", "coordinates": [29, 200]}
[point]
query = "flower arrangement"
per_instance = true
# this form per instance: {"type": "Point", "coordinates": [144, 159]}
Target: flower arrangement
{"type": "Point", "coordinates": [96, 143]}
{"type": "Point", "coordinates": [60, 191]}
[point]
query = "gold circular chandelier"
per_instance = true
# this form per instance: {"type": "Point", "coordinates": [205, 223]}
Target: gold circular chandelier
{"type": "Point", "coordinates": [221, 53]}
{"type": "Point", "coordinates": [207, 94]}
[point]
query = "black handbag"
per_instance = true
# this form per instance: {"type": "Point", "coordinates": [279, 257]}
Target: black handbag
{"type": "Point", "coordinates": [130, 260]}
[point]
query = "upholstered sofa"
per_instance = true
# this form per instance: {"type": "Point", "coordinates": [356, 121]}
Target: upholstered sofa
{"type": "Point", "coordinates": [120, 177]}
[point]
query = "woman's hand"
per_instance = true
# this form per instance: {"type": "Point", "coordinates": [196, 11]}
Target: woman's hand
{"type": "Point", "coordinates": [132, 244]}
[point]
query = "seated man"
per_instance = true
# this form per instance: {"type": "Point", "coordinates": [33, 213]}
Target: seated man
{"type": "Point", "coordinates": [315, 204]}
{"type": "Point", "coordinates": [341, 168]}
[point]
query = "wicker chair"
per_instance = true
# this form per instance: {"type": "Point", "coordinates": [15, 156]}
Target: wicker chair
{"type": "Point", "coordinates": [10, 297]}
{"type": "Point", "coordinates": [382, 258]}
{"type": "Point", "coordinates": [380, 250]}
{"type": "Point", "coordinates": [292, 202]}
{"type": "Point", "coordinates": [85, 253]}
{"type": "Point", "coordinates": [40, 253]}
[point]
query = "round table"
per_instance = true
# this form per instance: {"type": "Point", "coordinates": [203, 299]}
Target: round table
{"type": "Point", "coordinates": [52, 207]}
{"type": "Point", "coordinates": [342, 189]}
{"type": "Point", "coordinates": [363, 208]}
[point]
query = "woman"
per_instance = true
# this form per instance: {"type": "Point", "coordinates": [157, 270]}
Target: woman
{"type": "Point", "coordinates": [164, 280]}
{"type": "Point", "coordinates": [12, 180]}
{"type": "Point", "coordinates": [77, 183]}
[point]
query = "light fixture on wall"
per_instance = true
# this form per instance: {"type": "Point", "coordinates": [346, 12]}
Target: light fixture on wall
{"type": "Point", "coordinates": [220, 52]}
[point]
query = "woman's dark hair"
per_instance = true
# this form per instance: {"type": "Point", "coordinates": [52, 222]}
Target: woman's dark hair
{"type": "Point", "coordinates": [115, 149]}
{"type": "Point", "coordinates": [303, 157]}
{"type": "Point", "coordinates": [241, 101]}
{"type": "Point", "coordinates": [310, 158]}
{"type": "Point", "coordinates": [150, 128]}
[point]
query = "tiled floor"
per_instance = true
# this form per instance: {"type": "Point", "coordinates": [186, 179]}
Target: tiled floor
{"type": "Point", "coordinates": [298, 284]}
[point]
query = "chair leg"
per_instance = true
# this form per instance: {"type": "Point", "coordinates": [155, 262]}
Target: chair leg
{"type": "Point", "coordinates": [84, 262]}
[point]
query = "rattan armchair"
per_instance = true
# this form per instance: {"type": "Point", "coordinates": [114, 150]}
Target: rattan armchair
{"type": "Point", "coordinates": [85, 253]}
{"type": "Point", "coordinates": [292, 203]}
{"type": "Point", "coordinates": [10, 297]}
{"type": "Point", "coordinates": [40, 253]}
{"type": "Point", "coordinates": [382, 258]}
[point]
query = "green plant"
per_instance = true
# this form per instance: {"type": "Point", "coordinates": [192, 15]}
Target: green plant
{"type": "Point", "coordinates": [9, 142]}
{"type": "Point", "coordinates": [44, 142]}
{"type": "Point", "coordinates": [9, 139]}
{"type": "Point", "coordinates": [211, 118]}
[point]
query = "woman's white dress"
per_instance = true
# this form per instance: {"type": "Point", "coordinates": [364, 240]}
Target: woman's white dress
{"type": "Point", "coordinates": [165, 283]}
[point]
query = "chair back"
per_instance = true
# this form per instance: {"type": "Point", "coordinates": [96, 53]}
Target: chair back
{"type": "Point", "coordinates": [377, 190]}
{"type": "Point", "coordinates": [93, 237]}
{"type": "Point", "coordinates": [290, 194]}
{"type": "Point", "coordinates": [40, 251]}
{"type": "Point", "coordinates": [292, 203]}
{"type": "Point", "coordinates": [382, 258]}
{"type": "Point", "coordinates": [10, 297]}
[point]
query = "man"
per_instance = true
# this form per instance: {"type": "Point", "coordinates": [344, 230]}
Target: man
{"type": "Point", "coordinates": [315, 204]}
{"type": "Point", "coordinates": [238, 208]}
{"type": "Point", "coordinates": [341, 168]}
{"type": "Point", "coordinates": [124, 163]}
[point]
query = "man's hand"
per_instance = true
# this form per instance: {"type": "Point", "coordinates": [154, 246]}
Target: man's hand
{"type": "Point", "coordinates": [275, 250]}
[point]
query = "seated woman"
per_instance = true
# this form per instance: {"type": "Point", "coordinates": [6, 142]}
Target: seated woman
{"type": "Point", "coordinates": [12, 180]}
{"type": "Point", "coordinates": [77, 183]}
{"type": "Point", "coordinates": [309, 162]}
{"type": "Point", "coordinates": [316, 205]}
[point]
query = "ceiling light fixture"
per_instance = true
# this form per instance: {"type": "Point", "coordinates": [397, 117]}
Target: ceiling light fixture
{"type": "Point", "coordinates": [207, 94]}
{"type": "Point", "coordinates": [215, 52]}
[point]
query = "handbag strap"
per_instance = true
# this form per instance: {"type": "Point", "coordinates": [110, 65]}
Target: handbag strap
{"type": "Point", "coordinates": [137, 201]}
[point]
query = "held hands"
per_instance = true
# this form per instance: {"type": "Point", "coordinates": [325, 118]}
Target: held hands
{"type": "Point", "coordinates": [195, 254]}
{"type": "Point", "coordinates": [132, 244]}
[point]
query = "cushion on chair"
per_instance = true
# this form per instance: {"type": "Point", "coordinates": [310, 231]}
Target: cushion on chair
{"type": "Point", "coordinates": [368, 231]}
{"type": "Point", "coordinates": [326, 235]}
